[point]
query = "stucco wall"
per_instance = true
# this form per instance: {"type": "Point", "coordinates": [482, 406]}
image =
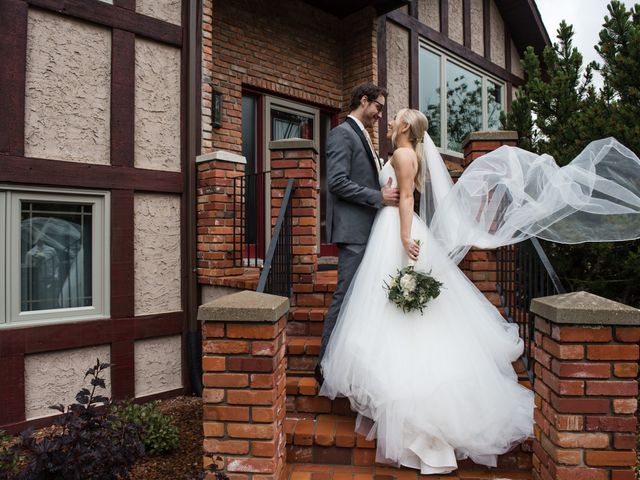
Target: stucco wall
{"type": "Point", "coordinates": [157, 106]}
{"type": "Point", "coordinates": [397, 68]}
{"type": "Point", "coordinates": [456, 28]}
{"type": "Point", "coordinates": [158, 365]}
{"type": "Point", "coordinates": [67, 116]}
{"type": "Point", "coordinates": [497, 36]}
{"type": "Point", "coordinates": [56, 377]}
{"type": "Point", "coordinates": [429, 13]}
{"type": "Point", "coordinates": [516, 66]}
{"type": "Point", "coordinates": [156, 253]}
{"type": "Point", "coordinates": [477, 27]}
{"type": "Point", "coordinates": [167, 10]}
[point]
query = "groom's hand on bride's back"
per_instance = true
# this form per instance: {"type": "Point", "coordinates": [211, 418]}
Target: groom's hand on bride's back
{"type": "Point", "coordinates": [390, 195]}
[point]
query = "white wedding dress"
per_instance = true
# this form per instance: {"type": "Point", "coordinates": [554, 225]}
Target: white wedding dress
{"type": "Point", "coordinates": [437, 387]}
{"type": "Point", "coordinates": [431, 387]}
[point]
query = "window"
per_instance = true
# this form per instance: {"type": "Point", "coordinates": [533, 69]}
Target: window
{"type": "Point", "coordinates": [470, 101]}
{"type": "Point", "coordinates": [54, 251]}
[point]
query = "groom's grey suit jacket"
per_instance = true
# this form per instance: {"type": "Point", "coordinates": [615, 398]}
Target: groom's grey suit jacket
{"type": "Point", "coordinates": [354, 189]}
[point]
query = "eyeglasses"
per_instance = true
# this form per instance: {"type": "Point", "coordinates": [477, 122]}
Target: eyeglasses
{"type": "Point", "coordinates": [379, 106]}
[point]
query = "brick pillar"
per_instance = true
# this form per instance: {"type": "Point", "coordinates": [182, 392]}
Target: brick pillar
{"type": "Point", "coordinates": [480, 265]}
{"type": "Point", "coordinates": [216, 172]}
{"type": "Point", "coordinates": [244, 384]}
{"type": "Point", "coordinates": [298, 159]}
{"type": "Point", "coordinates": [586, 366]}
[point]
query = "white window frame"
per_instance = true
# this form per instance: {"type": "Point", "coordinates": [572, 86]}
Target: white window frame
{"type": "Point", "coordinates": [444, 58]}
{"type": "Point", "coordinates": [10, 200]}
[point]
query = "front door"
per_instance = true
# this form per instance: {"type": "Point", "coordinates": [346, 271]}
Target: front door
{"type": "Point", "coordinates": [266, 118]}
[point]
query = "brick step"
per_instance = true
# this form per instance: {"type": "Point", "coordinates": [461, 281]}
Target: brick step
{"type": "Point", "coordinates": [302, 354]}
{"type": "Point", "coordinates": [306, 321]}
{"type": "Point", "coordinates": [302, 357]}
{"type": "Point", "coordinates": [331, 439]}
{"type": "Point", "coordinates": [303, 400]}
{"type": "Point", "coordinates": [306, 471]}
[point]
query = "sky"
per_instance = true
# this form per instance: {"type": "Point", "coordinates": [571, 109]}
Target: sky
{"type": "Point", "coordinates": [586, 16]}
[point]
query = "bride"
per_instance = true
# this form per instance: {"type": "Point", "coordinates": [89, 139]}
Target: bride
{"type": "Point", "coordinates": [437, 387]}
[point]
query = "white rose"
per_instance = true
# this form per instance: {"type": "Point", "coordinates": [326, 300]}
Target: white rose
{"type": "Point", "coordinates": [408, 283]}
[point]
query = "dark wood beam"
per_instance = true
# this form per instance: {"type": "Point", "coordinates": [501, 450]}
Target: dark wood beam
{"type": "Point", "coordinates": [122, 97]}
{"type": "Point", "coordinates": [413, 8]}
{"type": "Point", "coordinates": [36, 171]}
{"type": "Point", "coordinates": [382, 80]}
{"type": "Point", "coordinates": [444, 17]}
{"type": "Point", "coordinates": [507, 49]}
{"type": "Point", "coordinates": [13, 52]}
{"type": "Point", "coordinates": [486, 27]}
{"type": "Point", "coordinates": [414, 69]}
{"type": "Point", "coordinates": [438, 38]}
{"type": "Point", "coordinates": [466, 22]}
{"type": "Point", "coordinates": [114, 16]}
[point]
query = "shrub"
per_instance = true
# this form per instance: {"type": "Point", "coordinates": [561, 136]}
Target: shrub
{"type": "Point", "coordinates": [159, 432]}
{"type": "Point", "coordinates": [87, 441]}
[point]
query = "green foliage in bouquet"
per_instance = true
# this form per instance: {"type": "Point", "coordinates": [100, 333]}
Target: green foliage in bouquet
{"type": "Point", "coordinates": [412, 290]}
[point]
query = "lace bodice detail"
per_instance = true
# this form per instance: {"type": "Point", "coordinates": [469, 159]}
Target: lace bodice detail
{"type": "Point", "coordinates": [387, 172]}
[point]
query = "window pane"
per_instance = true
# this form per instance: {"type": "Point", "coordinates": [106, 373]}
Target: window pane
{"type": "Point", "coordinates": [55, 255]}
{"type": "Point", "coordinates": [464, 105]}
{"type": "Point", "coordinates": [430, 92]}
{"type": "Point", "coordinates": [290, 125]}
{"type": "Point", "coordinates": [494, 105]}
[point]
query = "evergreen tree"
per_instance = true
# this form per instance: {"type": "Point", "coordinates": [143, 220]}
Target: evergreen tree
{"type": "Point", "coordinates": [559, 111]}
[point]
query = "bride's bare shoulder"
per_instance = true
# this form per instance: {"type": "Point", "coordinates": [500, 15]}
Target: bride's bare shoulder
{"type": "Point", "coordinates": [404, 156]}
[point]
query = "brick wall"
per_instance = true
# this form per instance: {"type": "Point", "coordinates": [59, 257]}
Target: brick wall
{"type": "Point", "coordinates": [586, 366]}
{"type": "Point", "coordinates": [287, 48]}
{"type": "Point", "coordinates": [282, 47]}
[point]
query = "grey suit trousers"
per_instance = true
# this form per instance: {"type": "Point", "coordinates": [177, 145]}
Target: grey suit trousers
{"type": "Point", "coordinates": [349, 258]}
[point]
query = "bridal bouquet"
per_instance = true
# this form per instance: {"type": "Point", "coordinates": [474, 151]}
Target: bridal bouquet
{"type": "Point", "coordinates": [412, 290]}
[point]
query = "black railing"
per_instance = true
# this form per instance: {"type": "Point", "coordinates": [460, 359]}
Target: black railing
{"type": "Point", "coordinates": [276, 275]}
{"type": "Point", "coordinates": [523, 273]}
{"type": "Point", "coordinates": [249, 223]}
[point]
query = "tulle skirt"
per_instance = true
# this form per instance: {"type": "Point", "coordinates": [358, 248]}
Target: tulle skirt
{"type": "Point", "coordinates": [431, 387]}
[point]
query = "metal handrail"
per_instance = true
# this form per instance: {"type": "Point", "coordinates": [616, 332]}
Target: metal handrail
{"type": "Point", "coordinates": [276, 275]}
{"type": "Point", "coordinates": [524, 272]}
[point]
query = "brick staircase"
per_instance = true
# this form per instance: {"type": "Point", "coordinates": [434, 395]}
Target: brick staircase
{"type": "Point", "coordinates": [320, 431]}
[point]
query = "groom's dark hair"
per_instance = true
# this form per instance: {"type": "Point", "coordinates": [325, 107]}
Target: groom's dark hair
{"type": "Point", "coordinates": [369, 90]}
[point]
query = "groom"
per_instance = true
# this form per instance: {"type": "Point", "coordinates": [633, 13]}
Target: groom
{"type": "Point", "coordinates": [354, 193]}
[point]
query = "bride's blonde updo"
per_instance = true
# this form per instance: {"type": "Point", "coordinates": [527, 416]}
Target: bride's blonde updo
{"type": "Point", "coordinates": [418, 125]}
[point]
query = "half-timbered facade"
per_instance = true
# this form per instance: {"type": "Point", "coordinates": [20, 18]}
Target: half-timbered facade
{"type": "Point", "coordinates": [93, 200]}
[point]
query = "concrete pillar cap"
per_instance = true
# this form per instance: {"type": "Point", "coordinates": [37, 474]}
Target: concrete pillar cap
{"type": "Point", "coordinates": [584, 308]}
{"type": "Point", "coordinates": [490, 136]}
{"type": "Point", "coordinates": [245, 306]}
{"type": "Point", "coordinates": [293, 144]}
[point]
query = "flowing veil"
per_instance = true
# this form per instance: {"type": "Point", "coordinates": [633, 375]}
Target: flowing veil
{"type": "Point", "coordinates": [510, 194]}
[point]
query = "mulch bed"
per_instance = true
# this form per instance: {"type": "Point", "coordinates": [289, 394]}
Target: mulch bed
{"type": "Point", "coordinates": [185, 463]}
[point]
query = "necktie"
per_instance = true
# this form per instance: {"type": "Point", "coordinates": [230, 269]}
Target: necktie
{"type": "Point", "coordinates": [373, 150]}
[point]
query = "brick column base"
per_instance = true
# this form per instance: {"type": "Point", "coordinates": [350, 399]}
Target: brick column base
{"type": "Point", "coordinates": [586, 366]}
{"type": "Point", "coordinates": [244, 384]}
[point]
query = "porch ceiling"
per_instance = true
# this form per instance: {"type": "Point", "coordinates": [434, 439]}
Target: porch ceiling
{"type": "Point", "coordinates": [525, 24]}
{"type": "Point", "coordinates": [342, 8]}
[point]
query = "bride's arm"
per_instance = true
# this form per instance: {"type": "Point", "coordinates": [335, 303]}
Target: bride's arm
{"type": "Point", "coordinates": [405, 164]}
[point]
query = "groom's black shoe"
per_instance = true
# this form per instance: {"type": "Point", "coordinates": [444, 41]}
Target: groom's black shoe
{"type": "Point", "coordinates": [318, 374]}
